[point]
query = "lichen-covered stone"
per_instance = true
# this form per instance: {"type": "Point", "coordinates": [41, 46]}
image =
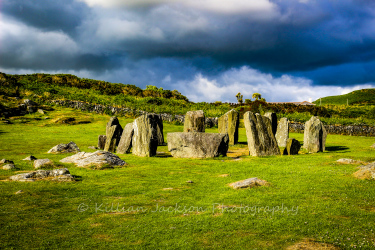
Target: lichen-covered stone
{"type": "Point", "coordinates": [197, 144]}
{"type": "Point", "coordinates": [249, 183]}
{"type": "Point", "coordinates": [194, 121]}
{"type": "Point", "coordinates": [125, 144]}
{"type": "Point", "coordinates": [113, 134]}
{"type": "Point", "coordinates": [260, 138]}
{"type": "Point", "coordinates": [314, 136]}
{"type": "Point", "coordinates": [62, 174]}
{"type": "Point", "coordinates": [98, 158]}
{"type": "Point", "coordinates": [42, 163]}
{"type": "Point", "coordinates": [145, 137]}
{"type": "Point", "coordinates": [282, 132]}
{"type": "Point", "coordinates": [9, 167]}
{"type": "Point", "coordinates": [228, 123]}
{"type": "Point", "coordinates": [292, 147]}
{"type": "Point", "coordinates": [273, 118]}
{"type": "Point", "coordinates": [366, 172]}
{"type": "Point", "coordinates": [101, 142]}
{"type": "Point", "coordinates": [71, 147]}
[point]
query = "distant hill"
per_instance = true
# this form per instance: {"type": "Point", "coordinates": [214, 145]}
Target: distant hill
{"type": "Point", "coordinates": [363, 96]}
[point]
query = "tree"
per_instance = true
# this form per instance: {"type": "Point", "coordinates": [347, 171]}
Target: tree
{"type": "Point", "coordinates": [239, 98]}
{"type": "Point", "coordinates": [257, 96]}
{"type": "Point", "coordinates": [247, 101]}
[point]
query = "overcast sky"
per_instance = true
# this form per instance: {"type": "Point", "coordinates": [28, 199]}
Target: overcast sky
{"type": "Point", "coordinates": [209, 50]}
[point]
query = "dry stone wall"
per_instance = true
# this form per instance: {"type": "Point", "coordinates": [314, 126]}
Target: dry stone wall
{"type": "Point", "coordinates": [357, 130]}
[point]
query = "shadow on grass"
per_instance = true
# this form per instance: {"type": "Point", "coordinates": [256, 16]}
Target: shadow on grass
{"type": "Point", "coordinates": [2, 132]}
{"type": "Point", "coordinates": [336, 148]}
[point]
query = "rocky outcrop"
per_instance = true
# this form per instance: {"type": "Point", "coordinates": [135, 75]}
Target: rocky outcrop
{"type": "Point", "coordinates": [292, 147]}
{"type": "Point", "coordinates": [282, 133]}
{"type": "Point", "coordinates": [71, 147]}
{"type": "Point", "coordinates": [43, 163]}
{"type": "Point", "coordinates": [228, 123]}
{"type": "Point", "coordinates": [314, 135]}
{"type": "Point", "coordinates": [249, 183]}
{"type": "Point", "coordinates": [273, 118]}
{"type": "Point", "coordinates": [56, 175]}
{"type": "Point", "coordinates": [113, 134]}
{"type": "Point", "coordinates": [194, 121]}
{"type": "Point", "coordinates": [145, 137]}
{"type": "Point", "coordinates": [197, 144]}
{"type": "Point", "coordinates": [98, 159]}
{"type": "Point", "coordinates": [125, 144]}
{"type": "Point", "coordinates": [260, 138]}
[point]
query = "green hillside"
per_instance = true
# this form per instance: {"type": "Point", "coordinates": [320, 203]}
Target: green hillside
{"type": "Point", "coordinates": [363, 96]}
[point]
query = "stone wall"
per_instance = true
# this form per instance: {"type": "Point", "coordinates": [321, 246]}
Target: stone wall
{"type": "Point", "coordinates": [110, 110]}
{"type": "Point", "coordinates": [358, 130]}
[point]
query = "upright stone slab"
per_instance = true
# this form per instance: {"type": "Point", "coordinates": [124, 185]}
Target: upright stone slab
{"type": "Point", "coordinates": [197, 144]}
{"type": "Point", "coordinates": [159, 131]}
{"type": "Point", "coordinates": [145, 137]}
{"type": "Point", "coordinates": [282, 133]}
{"type": "Point", "coordinates": [228, 123]}
{"type": "Point", "coordinates": [113, 134]}
{"type": "Point", "coordinates": [126, 139]}
{"type": "Point", "coordinates": [260, 138]}
{"type": "Point", "coordinates": [273, 119]}
{"type": "Point", "coordinates": [194, 121]}
{"type": "Point", "coordinates": [101, 142]}
{"type": "Point", "coordinates": [292, 147]}
{"type": "Point", "coordinates": [314, 136]}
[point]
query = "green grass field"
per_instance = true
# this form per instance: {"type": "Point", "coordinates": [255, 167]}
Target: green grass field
{"type": "Point", "coordinates": [148, 204]}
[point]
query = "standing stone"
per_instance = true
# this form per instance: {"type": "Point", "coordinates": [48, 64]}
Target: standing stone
{"type": "Point", "coordinates": [292, 147]}
{"type": "Point", "coordinates": [194, 121]}
{"type": "Point", "coordinates": [273, 119]}
{"type": "Point", "coordinates": [314, 136]}
{"type": "Point", "coordinates": [282, 133]}
{"type": "Point", "coordinates": [260, 138]}
{"type": "Point", "coordinates": [228, 123]}
{"type": "Point", "coordinates": [159, 131]}
{"type": "Point", "coordinates": [101, 142]}
{"type": "Point", "coordinates": [113, 134]}
{"type": "Point", "coordinates": [126, 139]}
{"type": "Point", "coordinates": [145, 137]}
{"type": "Point", "coordinates": [197, 144]}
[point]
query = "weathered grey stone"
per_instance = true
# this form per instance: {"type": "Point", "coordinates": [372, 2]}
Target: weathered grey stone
{"type": "Point", "coordinates": [101, 142]}
{"type": "Point", "coordinates": [59, 174]}
{"type": "Point", "coordinates": [347, 161]}
{"type": "Point", "coordinates": [41, 111]}
{"type": "Point", "coordinates": [314, 136]}
{"type": "Point", "coordinates": [92, 147]}
{"type": "Point", "coordinates": [273, 118]}
{"type": "Point", "coordinates": [282, 133]}
{"type": "Point", "coordinates": [42, 163]}
{"type": "Point", "coordinates": [292, 147]}
{"type": "Point", "coordinates": [249, 183]}
{"type": "Point", "coordinates": [30, 158]}
{"type": "Point", "coordinates": [125, 144]}
{"type": "Point", "coordinates": [197, 144]}
{"type": "Point", "coordinates": [9, 167]}
{"type": "Point", "coordinates": [145, 137]}
{"type": "Point", "coordinates": [260, 138]}
{"type": "Point", "coordinates": [6, 161]}
{"type": "Point", "coordinates": [98, 158]}
{"type": "Point", "coordinates": [194, 121]}
{"type": "Point", "coordinates": [228, 123]}
{"type": "Point", "coordinates": [113, 134]}
{"type": "Point", "coordinates": [159, 131]}
{"type": "Point", "coordinates": [366, 172]}
{"type": "Point", "coordinates": [71, 147]}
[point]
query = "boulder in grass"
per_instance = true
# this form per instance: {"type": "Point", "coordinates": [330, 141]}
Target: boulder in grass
{"type": "Point", "coordinates": [260, 138]}
{"type": "Point", "coordinates": [5, 161]}
{"type": "Point", "coordinates": [71, 147]}
{"type": "Point", "coordinates": [194, 121]}
{"type": "Point", "coordinates": [197, 145]}
{"type": "Point", "coordinates": [282, 133]}
{"type": "Point", "coordinates": [9, 167]}
{"type": "Point", "coordinates": [366, 172]}
{"type": "Point", "coordinates": [315, 135]}
{"type": "Point", "coordinates": [42, 163]}
{"type": "Point", "coordinates": [62, 174]}
{"type": "Point", "coordinates": [229, 123]}
{"type": "Point", "coordinates": [30, 158]}
{"type": "Point", "coordinates": [98, 159]}
{"type": "Point", "coordinates": [292, 147]}
{"type": "Point", "coordinates": [125, 144]}
{"type": "Point", "coordinates": [249, 183]}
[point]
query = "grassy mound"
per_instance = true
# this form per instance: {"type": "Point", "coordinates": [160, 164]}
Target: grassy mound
{"type": "Point", "coordinates": [363, 96]}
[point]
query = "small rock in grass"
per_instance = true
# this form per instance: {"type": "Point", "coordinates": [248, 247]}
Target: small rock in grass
{"type": "Point", "coordinates": [189, 181]}
{"type": "Point", "coordinates": [373, 145]}
{"type": "Point", "coordinates": [98, 158]}
{"type": "Point", "coordinates": [30, 158]}
{"type": "Point", "coordinates": [65, 148]}
{"type": "Point", "coordinates": [347, 161]}
{"type": "Point", "coordinates": [42, 162]}
{"type": "Point", "coordinates": [6, 161]}
{"type": "Point", "coordinates": [19, 192]}
{"type": "Point", "coordinates": [9, 167]}
{"type": "Point", "coordinates": [248, 183]}
{"type": "Point", "coordinates": [366, 172]}
{"type": "Point", "coordinates": [92, 147]}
